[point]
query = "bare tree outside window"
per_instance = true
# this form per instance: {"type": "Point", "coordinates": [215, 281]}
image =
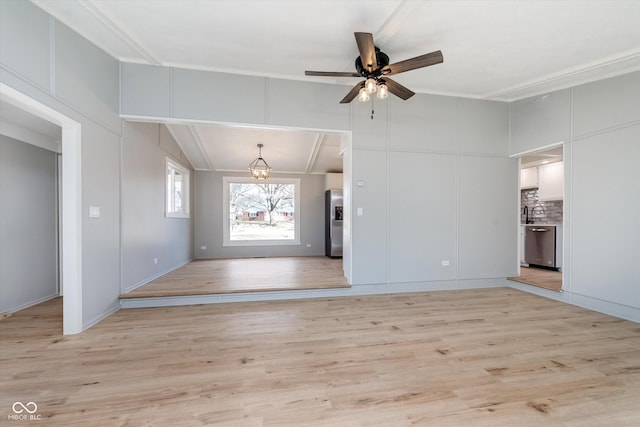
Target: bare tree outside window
{"type": "Point", "coordinates": [263, 211]}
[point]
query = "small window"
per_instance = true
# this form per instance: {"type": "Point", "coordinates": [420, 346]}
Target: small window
{"type": "Point", "coordinates": [177, 190]}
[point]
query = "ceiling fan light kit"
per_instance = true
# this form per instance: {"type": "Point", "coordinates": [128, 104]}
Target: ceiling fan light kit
{"type": "Point", "coordinates": [373, 65]}
{"type": "Point", "coordinates": [259, 168]}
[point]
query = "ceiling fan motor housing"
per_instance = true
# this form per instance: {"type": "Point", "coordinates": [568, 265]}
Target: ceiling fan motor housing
{"type": "Point", "coordinates": [382, 61]}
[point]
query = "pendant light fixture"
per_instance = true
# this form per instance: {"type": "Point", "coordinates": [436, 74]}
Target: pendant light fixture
{"type": "Point", "coordinates": [259, 168]}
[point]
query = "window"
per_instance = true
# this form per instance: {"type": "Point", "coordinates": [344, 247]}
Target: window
{"type": "Point", "coordinates": [261, 214]}
{"type": "Point", "coordinates": [177, 190]}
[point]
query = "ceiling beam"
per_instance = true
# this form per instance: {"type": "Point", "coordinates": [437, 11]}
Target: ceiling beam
{"type": "Point", "coordinates": [193, 130]}
{"type": "Point", "coordinates": [314, 152]}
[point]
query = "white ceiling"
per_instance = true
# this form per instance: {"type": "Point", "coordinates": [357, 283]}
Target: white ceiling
{"type": "Point", "coordinates": [231, 148]}
{"type": "Point", "coordinates": [498, 49]}
{"type": "Point", "coordinates": [551, 155]}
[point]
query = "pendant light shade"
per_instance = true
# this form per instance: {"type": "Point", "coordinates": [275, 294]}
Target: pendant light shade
{"type": "Point", "coordinates": [383, 91]}
{"type": "Point", "coordinates": [259, 168]}
{"type": "Point", "coordinates": [363, 95]}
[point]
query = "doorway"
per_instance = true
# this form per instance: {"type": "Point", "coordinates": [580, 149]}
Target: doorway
{"type": "Point", "coordinates": [70, 266]}
{"type": "Point", "coordinates": [541, 218]}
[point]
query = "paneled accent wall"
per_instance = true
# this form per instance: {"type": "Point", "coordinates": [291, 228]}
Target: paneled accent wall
{"type": "Point", "coordinates": [599, 124]}
{"type": "Point", "coordinates": [45, 60]}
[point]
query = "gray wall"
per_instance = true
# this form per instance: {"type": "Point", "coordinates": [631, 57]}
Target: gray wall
{"type": "Point", "coordinates": [209, 219]}
{"type": "Point", "coordinates": [439, 185]}
{"type": "Point", "coordinates": [45, 60]}
{"type": "Point", "coordinates": [48, 62]}
{"type": "Point", "coordinates": [28, 224]}
{"type": "Point", "coordinates": [146, 232]}
{"type": "Point", "coordinates": [601, 180]}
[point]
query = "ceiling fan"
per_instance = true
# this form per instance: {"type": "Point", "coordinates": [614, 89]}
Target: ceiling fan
{"type": "Point", "coordinates": [373, 65]}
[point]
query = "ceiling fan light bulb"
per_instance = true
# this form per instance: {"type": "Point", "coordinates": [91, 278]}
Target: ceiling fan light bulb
{"type": "Point", "coordinates": [383, 91]}
{"type": "Point", "coordinates": [371, 86]}
{"type": "Point", "coordinates": [363, 95]}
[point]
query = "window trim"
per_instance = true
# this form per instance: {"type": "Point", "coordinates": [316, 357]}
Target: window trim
{"type": "Point", "coordinates": [186, 195]}
{"type": "Point", "coordinates": [226, 180]}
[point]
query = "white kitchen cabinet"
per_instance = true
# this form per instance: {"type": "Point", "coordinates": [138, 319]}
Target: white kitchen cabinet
{"type": "Point", "coordinates": [551, 181]}
{"type": "Point", "coordinates": [333, 181]}
{"type": "Point", "coordinates": [529, 177]}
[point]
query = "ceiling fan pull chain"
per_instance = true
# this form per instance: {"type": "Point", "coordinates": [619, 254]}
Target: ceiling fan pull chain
{"type": "Point", "coordinates": [372, 108]}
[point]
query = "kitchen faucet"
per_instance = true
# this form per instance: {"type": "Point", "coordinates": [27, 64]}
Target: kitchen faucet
{"type": "Point", "coordinates": [525, 212]}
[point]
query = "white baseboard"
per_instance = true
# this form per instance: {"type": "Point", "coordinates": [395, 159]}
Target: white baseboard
{"type": "Point", "coordinates": [154, 277]}
{"type": "Point", "coordinates": [595, 304]}
{"type": "Point", "coordinates": [32, 303]}
{"type": "Point", "coordinates": [369, 289]}
{"type": "Point", "coordinates": [101, 317]}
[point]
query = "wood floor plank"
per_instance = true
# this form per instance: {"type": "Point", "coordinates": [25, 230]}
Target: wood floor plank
{"type": "Point", "coordinates": [222, 276]}
{"type": "Point", "coordinates": [547, 279]}
{"type": "Point", "coordinates": [482, 357]}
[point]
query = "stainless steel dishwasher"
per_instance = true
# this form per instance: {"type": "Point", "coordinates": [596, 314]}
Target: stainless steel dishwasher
{"type": "Point", "coordinates": [540, 246]}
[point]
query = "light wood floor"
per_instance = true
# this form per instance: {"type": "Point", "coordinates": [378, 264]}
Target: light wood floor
{"type": "Point", "coordinates": [221, 276]}
{"type": "Point", "coordinates": [540, 277]}
{"type": "Point", "coordinates": [484, 357]}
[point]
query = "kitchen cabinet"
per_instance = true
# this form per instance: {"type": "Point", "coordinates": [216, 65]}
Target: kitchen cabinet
{"type": "Point", "coordinates": [551, 181]}
{"type": "Point", "coordinates": [529, 178]}
{"type": "Point", "coordinates": [333, 181]}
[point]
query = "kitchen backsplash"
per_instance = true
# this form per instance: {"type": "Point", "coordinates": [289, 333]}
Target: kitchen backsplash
{"type": "Point", "coordinates": [549, 211]}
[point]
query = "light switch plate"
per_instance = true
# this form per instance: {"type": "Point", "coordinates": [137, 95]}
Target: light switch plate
{"type": "Point", "coordinates": [94, 211]}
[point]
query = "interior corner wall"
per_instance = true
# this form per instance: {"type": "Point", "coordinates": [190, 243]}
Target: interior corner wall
{"type": "Point", "coordinates": [147, 234]}
{"type": "Point", "coordinates": [599, 123]}
{"type": "Point", "coordinates": [437, 182]}
{"type": "Point", "coordinates": [45, 60]}
{"type": "Point", "coordinates": [209, 218]}
{"type": "Point", "coordinates": [28, 225]}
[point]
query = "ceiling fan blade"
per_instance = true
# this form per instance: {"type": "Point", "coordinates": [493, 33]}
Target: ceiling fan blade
{"type": "Point", "coordinates": [331, 74]}
{"type": "Point", "coordinates": [352, 94]}
{"type": "Point", "coordinates": [413, 63]}
{"type": "Point", "coordinates": [397, 89]}
{"type": "Point", "coordinates": [367, 51]}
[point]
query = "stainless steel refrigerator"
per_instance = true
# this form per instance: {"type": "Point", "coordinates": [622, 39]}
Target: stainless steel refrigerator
{"type": "Point", "coordinates": [333, 224]}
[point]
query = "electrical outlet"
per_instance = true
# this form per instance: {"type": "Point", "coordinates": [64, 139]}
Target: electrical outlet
{"type": "Point", "coordinates": [203, 248]}
{"type": "Point", "coordinates": [155, 260]}
{"type": "Point", "coordinates": [308, 245]}
{"type": "Point", "coordinates": [445, 263]}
